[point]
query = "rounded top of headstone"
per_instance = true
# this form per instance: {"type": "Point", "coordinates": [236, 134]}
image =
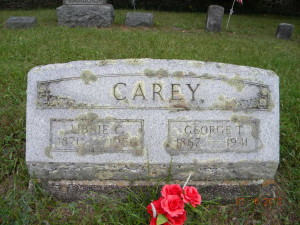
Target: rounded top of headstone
{"type": "Point", "coordinates": [286, 24]}
{"type": "Point", "coordinates": [216, 7]}
{"type": "Point", "coordinates": [85, 2]}
{"type": "Point", "coordinates": [140, 65]}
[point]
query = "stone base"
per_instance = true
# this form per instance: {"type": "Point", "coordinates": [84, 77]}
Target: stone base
{"type": "Point", "coordinates": [225, 191]}
{"type": "Point", "coordinates": [85, 15]}
{"type": "Point", "coordinates": [135, 19]}
{"type": "Point", "coordinates": [16, 22]}
{"type": "Point", "coordinates": [210, 171]}
{"type": "Point", "coordinates": [284, 31]}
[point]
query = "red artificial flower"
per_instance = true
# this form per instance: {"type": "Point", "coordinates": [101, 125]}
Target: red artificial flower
{"type": "Point", "coordinates": [178, 220]}
{"type": "Point", "coordinates": [171, 189]}
{"type": "Point", "coordinates": [153, 221]}
{"type": "Point", "coordinates": [191, 195]}
{"type": "Point", "coordinates": [173, 205]}
{"type": "Point", "coordinates": [157, 205]}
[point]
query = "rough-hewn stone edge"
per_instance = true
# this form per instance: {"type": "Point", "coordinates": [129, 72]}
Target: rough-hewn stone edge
{"type": "Point", "coordinates": [223, 191]}
{"type": "Point", "coordinates": [210, 171]}
{"type": "Point", "coordinates": [68, 15]}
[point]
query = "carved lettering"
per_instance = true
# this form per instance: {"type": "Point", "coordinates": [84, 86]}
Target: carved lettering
{"type": "Point", "coordinates": [175, 90]}
{"type": "Point", "coordinates": [211, 136]}
{"type": "Point", "coordinates": [96, 136]}
{"type": "Point", "coordinates": [114, 91]}
{"type": "Point", "coordinates": [193, 90]}
{"type": "Point", "coordinates": [139, 92]}
{"type": "Point", "coordinates": [155, 91]}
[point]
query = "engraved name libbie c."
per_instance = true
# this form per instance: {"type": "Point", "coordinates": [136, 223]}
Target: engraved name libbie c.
{"type": "Point", "coordinates": [97, 136]}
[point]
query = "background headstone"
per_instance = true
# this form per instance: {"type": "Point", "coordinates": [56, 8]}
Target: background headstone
{"type": "Point", "coordinates": [18, 22]}
{"type": "Point", "coordinates": [137, 19]}
{"type": "Point", "coordinates": [284, 31]}
{"type": "Point", "coordinates": [214, 18]}
{"type": "Point", "coordinates": [85, 2]}
{"type": "Point", "coordinates": [85, 13]}
{"type": "Point", "coordinates": [103, 125]}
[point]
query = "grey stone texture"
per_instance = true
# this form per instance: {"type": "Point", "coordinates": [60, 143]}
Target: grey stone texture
{"type": "Point", "coordinates": [227, 191]}
{"type": "Point", "coordinates": [85, 15]}
{"type": "Point", "coordinates": [284, 31]}
{"type": "Point", "coordinates": [137, 19]}
{"type": "Point", "coordinates": [85, 2]}
{"type": "Point", "coordinates": [140, 119]}
{"type": "Point", "coordinates": [17, 22]}
{"type": "Point", "coordinates": [214, 18]}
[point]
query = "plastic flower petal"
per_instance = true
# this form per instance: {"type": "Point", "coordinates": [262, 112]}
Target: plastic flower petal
{"type": "Point", "coordinates": [191, 195]}
{"type": "Point", "coordinates": [171, 189]}
{"type": "Point", "coordinates": [173, 205]}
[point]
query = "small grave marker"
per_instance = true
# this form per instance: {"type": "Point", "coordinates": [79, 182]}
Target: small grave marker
{"type": "Point", "coordinates": [214, 18]}
{"type": "Point", "coordinates": [284, 31]}
{"type": "Point", "coordinates": [137, 19]}
{"type": "Point", "coordinates": [19, 22]}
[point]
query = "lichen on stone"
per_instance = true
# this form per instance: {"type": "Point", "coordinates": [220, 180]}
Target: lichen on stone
{"type": "Point", "coordinates": [162, 73]}
{"type": "Point", "coordinates": [178, 74]}
{"type": "Point", "coordinates": [180, 104]}
{"type": "Point", "coordinates": [149, 72]}
{"type": "Point", "coordinates": [159, 73]}
{"type": "Point", "coordinates": [254, 123]}
{"type": "Point", "coordinates": [225, 103]}
{"type": "Point", "coordinates": [88, 77]}
{"type": "Point", "coordinates": [236, 82]}
{"type": "Point", "coordinates": [197, 64]}
{"type": "Point", "coordinates": [135, 62]}
{"type": "Point", "coordinates": [106, 62]}
{"type": "Point", "coordinates": [48, 150]}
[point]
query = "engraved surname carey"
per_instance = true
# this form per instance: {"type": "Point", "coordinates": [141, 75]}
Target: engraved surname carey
{"type": "Point", "coordinates": [142, 92]}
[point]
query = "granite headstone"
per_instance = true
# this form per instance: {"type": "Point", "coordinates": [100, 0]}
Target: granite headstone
{"type": "Point", "coordinates": [284, 31]}
{"type": "Point", "coordinates": [214, 18]}
{"type": "Point", "coordinates": [85, 13]}
{"type": "Point", "coordinates": [19, 22]}
{"type": "Point", "coordinates": [137, 19]}
{"type": "Point", "coordinates": [114, 123]}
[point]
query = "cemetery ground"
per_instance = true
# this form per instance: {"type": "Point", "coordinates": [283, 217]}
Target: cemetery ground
{"type": "Point", "coordinates": [249, 41]}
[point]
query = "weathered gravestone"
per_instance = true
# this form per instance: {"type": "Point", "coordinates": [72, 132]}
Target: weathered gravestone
{"type": "Point", "coordinates": [85, 13]}
{"type": "Point", "coordinates": [137, 19]}
{"type": "Point", "coordinates": [214, 18]}
{"type": "Point", "coordinates": [284, 31]}
{"type": "Point", "coordinates": [19, 22]}
{"type": "Point", "coordinates": [103, 125]}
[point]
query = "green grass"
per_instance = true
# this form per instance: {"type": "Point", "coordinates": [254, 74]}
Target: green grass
{"type": "Point", "coordinates": [249, 41]}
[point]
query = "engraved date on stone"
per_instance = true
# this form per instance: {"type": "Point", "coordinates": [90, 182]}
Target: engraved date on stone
{"type": "Point", "coordinates": [97, 136]}
{"type": "Point", "coordinates": [212, 136]}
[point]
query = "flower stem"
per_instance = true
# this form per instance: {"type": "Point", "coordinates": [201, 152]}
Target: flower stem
{"type": "Point", "coordinates": [154, 210]}
{"type": "Point", "coordinates": [187, 180]}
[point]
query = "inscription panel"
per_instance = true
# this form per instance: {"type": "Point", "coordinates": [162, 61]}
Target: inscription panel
{"type": "Point", "coordinates": [136, 91]}
{"type": "Point", "coordinates": [213, 136]}
{"type": "Point", "coordinates": [92, 137]}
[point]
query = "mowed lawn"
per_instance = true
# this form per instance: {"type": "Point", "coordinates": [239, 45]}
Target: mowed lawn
{"type": "Point", "coordinates": [250, 40]}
